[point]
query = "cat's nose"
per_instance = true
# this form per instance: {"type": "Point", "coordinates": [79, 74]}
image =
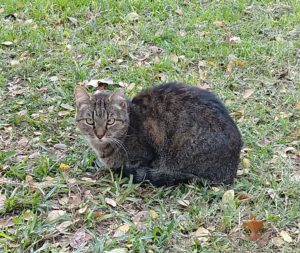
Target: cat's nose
{"type": "Point", "coordinates": [99, 133]}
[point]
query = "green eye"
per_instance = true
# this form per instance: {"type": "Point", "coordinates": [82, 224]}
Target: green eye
{"type": "Point", "coordinates": [89, 121]}
{"type": "Point", "coordinates": [110, 121]}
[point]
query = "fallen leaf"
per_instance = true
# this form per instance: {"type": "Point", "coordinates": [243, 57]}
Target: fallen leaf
{"type": "Point", "coordinates": [74, 21]}
{"type": "Point", "coordinates": [63, 201]}
{"type": "Point", "coordinates": [153, 214]}
{"type": "Point", "coordinates": [28, 215]}
{"type": "Point", "coordinates": [117, 250]}
{"type": "Point", "coordinates": [219, 23]}
{"type": "Point", "coordinates": [60, 146]}
{"type": "Point", "coordinates": [88, 179]}
{"type": "Point", "coordinates": [228, 197]}
{"type": "Point", "coordinates": [239, 63]}
{"type": "Point", "coordinates": [2, 201]}
{"type": "Point", "coordinates": [254, 226]}
{"type": "Point", "coordinates": [97, 214]}
{"type": "Point", "coordinates": [122, 230]}
{"type": "Point", "coordinates": [100, 82]}
{"type": "Point", "coordinates": [67, 107]}
{"type": "Point", "coordinates": [298, 105]}
{"type": "Point", "coordinates": [203, 86]}
{"type": "Point", "coordinates": [182, 33]}
{"type": "Point", "coordinates": [289, 150]}
{"type": "Point", "coordinates": [132, 17]}
{"type": "Point", "coordinates": [248, 93]}
{"type": "Point", "coordinates": [286, 237]}
{"type": "Point", "coordinates": [82, 210]}
{"type": "Point", "coordinates": [174, 58]}
{"type": "Point", "coordinates": [74, 201]}
{"type": "Point", "coordinates": [243, 196]}
{"type": "Point", "coordinates": [183, 202]}
{"type": "Point", "coordinates": [14, 62]}
{"type": "Point", "coordinates": [246, 162]}
{"type": "Point", "coordinates": [23, 142]}
{"type": "Point", "coordinates": [202, 74]}
{"type": "Point", "coordinates": [53, 78]}
{"type": "Point", "coordinates": [63, 226]}
{"type": "Point", "coordinates": [234, 40]}
{"type": "Point", "coordinates": [277, 241]}
{"type": "Point", "coordinates": [53, 215]}
{"type": "Point", "coordinates": [179, 12]}
{"type": "Point", "coordinates": [6, 43]}
{"type": "Point", "coordinates": [63, 113]}
{"type": "Point", "coordinates": [110, 202]}
{"type": "Point", "coordinates": [80, 237]}
{"type": "Point", "coordinates": [1, 10]}
{"type": "Point", "coordinates": [229, 67]}
{"type": "Point", "coordinates": [202, 234]}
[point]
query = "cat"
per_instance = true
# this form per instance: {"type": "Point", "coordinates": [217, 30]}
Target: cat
{"type": "Point", "coordinates": [169, 134]}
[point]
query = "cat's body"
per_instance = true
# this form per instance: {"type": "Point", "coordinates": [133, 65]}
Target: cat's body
{"type": "Point", "coordinates": [168, 134]}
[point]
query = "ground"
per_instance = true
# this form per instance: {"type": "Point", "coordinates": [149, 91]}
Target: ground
{"type": "Point", "coordinates": [52, 198]}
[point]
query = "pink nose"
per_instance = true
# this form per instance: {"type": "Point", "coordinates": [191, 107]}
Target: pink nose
{"type": "Point", "coordinates": [99, 133]}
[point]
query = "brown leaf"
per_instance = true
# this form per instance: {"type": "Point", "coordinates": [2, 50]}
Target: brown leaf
{"type": "Point", "coordinates": [110, 202]}
{"type": "Point", "coordinates": [248, 93]}
{"type": "Point", "coordinates": [100, 82]}
{"type": "Point", "coordinates": [243, 196]}
{"type": "Point", "coordinates": [179, 12]}
{"type": "Point", "coordinates": [74, 201]}
{"type": "Point", "coordinates": [80, 237]}
{"type": "Point", "coordinates": [53, 215]}
{"type": "Point", "coordinates": [219, 23]}
{"type": "Point", "coordinates": [202, 234]}
{"type": "Point", "coordinates": [239, 63]}
{"type": "Point", "coordinates": [63, 226]}
{"type": "Point", "coordinates": [255, 226]}
{"type": "Point", "coordinates": [298, 105]}
{"type": "Point", "coordinates": [122, 230]}
{"type": "Point", "coordinates": [174, 58]}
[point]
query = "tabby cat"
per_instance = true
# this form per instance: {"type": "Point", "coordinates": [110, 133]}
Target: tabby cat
{"type": "Point", "coordinates": [168, 134]}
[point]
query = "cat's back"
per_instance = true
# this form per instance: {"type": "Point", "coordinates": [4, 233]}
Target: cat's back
{"type": "Point", "coordinates": [179, 99]}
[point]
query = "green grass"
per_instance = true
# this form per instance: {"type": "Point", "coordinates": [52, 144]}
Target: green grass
{"type": "Point", "coordinates": [54, 55]}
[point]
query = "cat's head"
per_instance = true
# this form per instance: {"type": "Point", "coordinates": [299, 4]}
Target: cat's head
{"type": "Point", "coordinates": [101, 116]}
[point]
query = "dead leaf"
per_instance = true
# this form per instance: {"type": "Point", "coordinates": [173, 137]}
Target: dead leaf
{"type": "Point", "coordinates": [23, 142]}
{"type": "Point", "coordinates": [277, 241]}
{"type": "Point", "coordinates": [203, 86]}
{"type": "Point", "coordinates": [14, 62]}
{"type": "Point", "coordinates": [298, 105]}
{"type": "Point", "coordinates": [60, 146]}
{"type": "Point", "coordinates": [2, 201]}
{"type": "Point", "coordinates": [6, 43]}
{"type": "Point", "coordinates": [179, 12]}
{"type": "Point", "coordinates": [122, 230]}
{"type": "Point", "coordinates": [1, 10]}
{"type": "Point", "coordinates": [117, 250]}
{"type": "Point", "coordinates": [202, 74]}
{"type": "Point", "coordinates": [110, 202]}
{"type": "Point", "coordinates": [286, 237]}
{"type": "Point", "coordinates": [255, 226]}
{"type": "Point", "coordinates": [67, 107]}
{"type": "Point", "coordinates": [28, 215]}
{"type": "Point", "coordinates": [97, 214]}
{"type": "Point", "coordinates": [53, 215]}
{"type": "Point", "coordinates": [219, 23]}
{"type": "Point", "coordinates": [182, 33]}
{"type": "Point", "coordinates": [246, 162]}
{"type": "Point", "coordinates": [229, 67]}
{"type": "Point", "coordinates": [289, 150]}
{"type": "Point", "coordinates": [239, 63]}
{"type": "Point", "coordinates": [100, 82]}
{"type": "Point", "coordinates": [234, 40]}
{"type": "Point", "coordinates": [74, 21]}
{"type": "Point", "coordinates": [183, 202]}
{"type": "Point", "coordinates": [174, 58]}
{"type": "Point", "coordinates": [202, 234]}
{"type": "Point", "coordinates": [243, 196]}
{"type": "Point", "coordinates": [80, 237]}
{"type": "Point", "coordinates": [228, 197]}
{"type": "Point", "coordinates": [53, 78]}
{"type": "Point", "coordinates": [153, 214]}
{"type": "Point", "coordinates": [248, 93]}
{"type": "Point", "coordinates": [63, 201]}
{"type": "Point", "coordinates": [63, 226]}
{"type": "Point", "coordinates": [88, 179]}
{"type": "Point", "coordinates": [132, 17]}
{"type": "Point", "coordinates": [63, 113]}
{"type": "Point", "coordinates": [74, 201]}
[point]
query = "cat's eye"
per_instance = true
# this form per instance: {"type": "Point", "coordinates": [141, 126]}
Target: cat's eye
{"type": "Point", "coordinates": [110, 121]}
{"type": "Point", "coordinates": [89, 121]}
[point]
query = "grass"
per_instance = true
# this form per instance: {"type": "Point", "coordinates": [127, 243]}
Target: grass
{"type": "Point", "coordinates": [51, 53]}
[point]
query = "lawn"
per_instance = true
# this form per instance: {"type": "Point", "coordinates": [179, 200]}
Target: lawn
{"type": "Point", "coordinates": [52, 198]}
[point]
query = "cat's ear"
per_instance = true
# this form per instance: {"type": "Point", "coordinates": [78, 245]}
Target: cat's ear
{"type": "Point", "coordinates": [118, 99]}
{"type": "Point", "coordinates": [81, 95]}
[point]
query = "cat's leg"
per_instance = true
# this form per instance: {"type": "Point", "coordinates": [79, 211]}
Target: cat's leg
{"type": "Point", "coordinates": [157, 177]}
